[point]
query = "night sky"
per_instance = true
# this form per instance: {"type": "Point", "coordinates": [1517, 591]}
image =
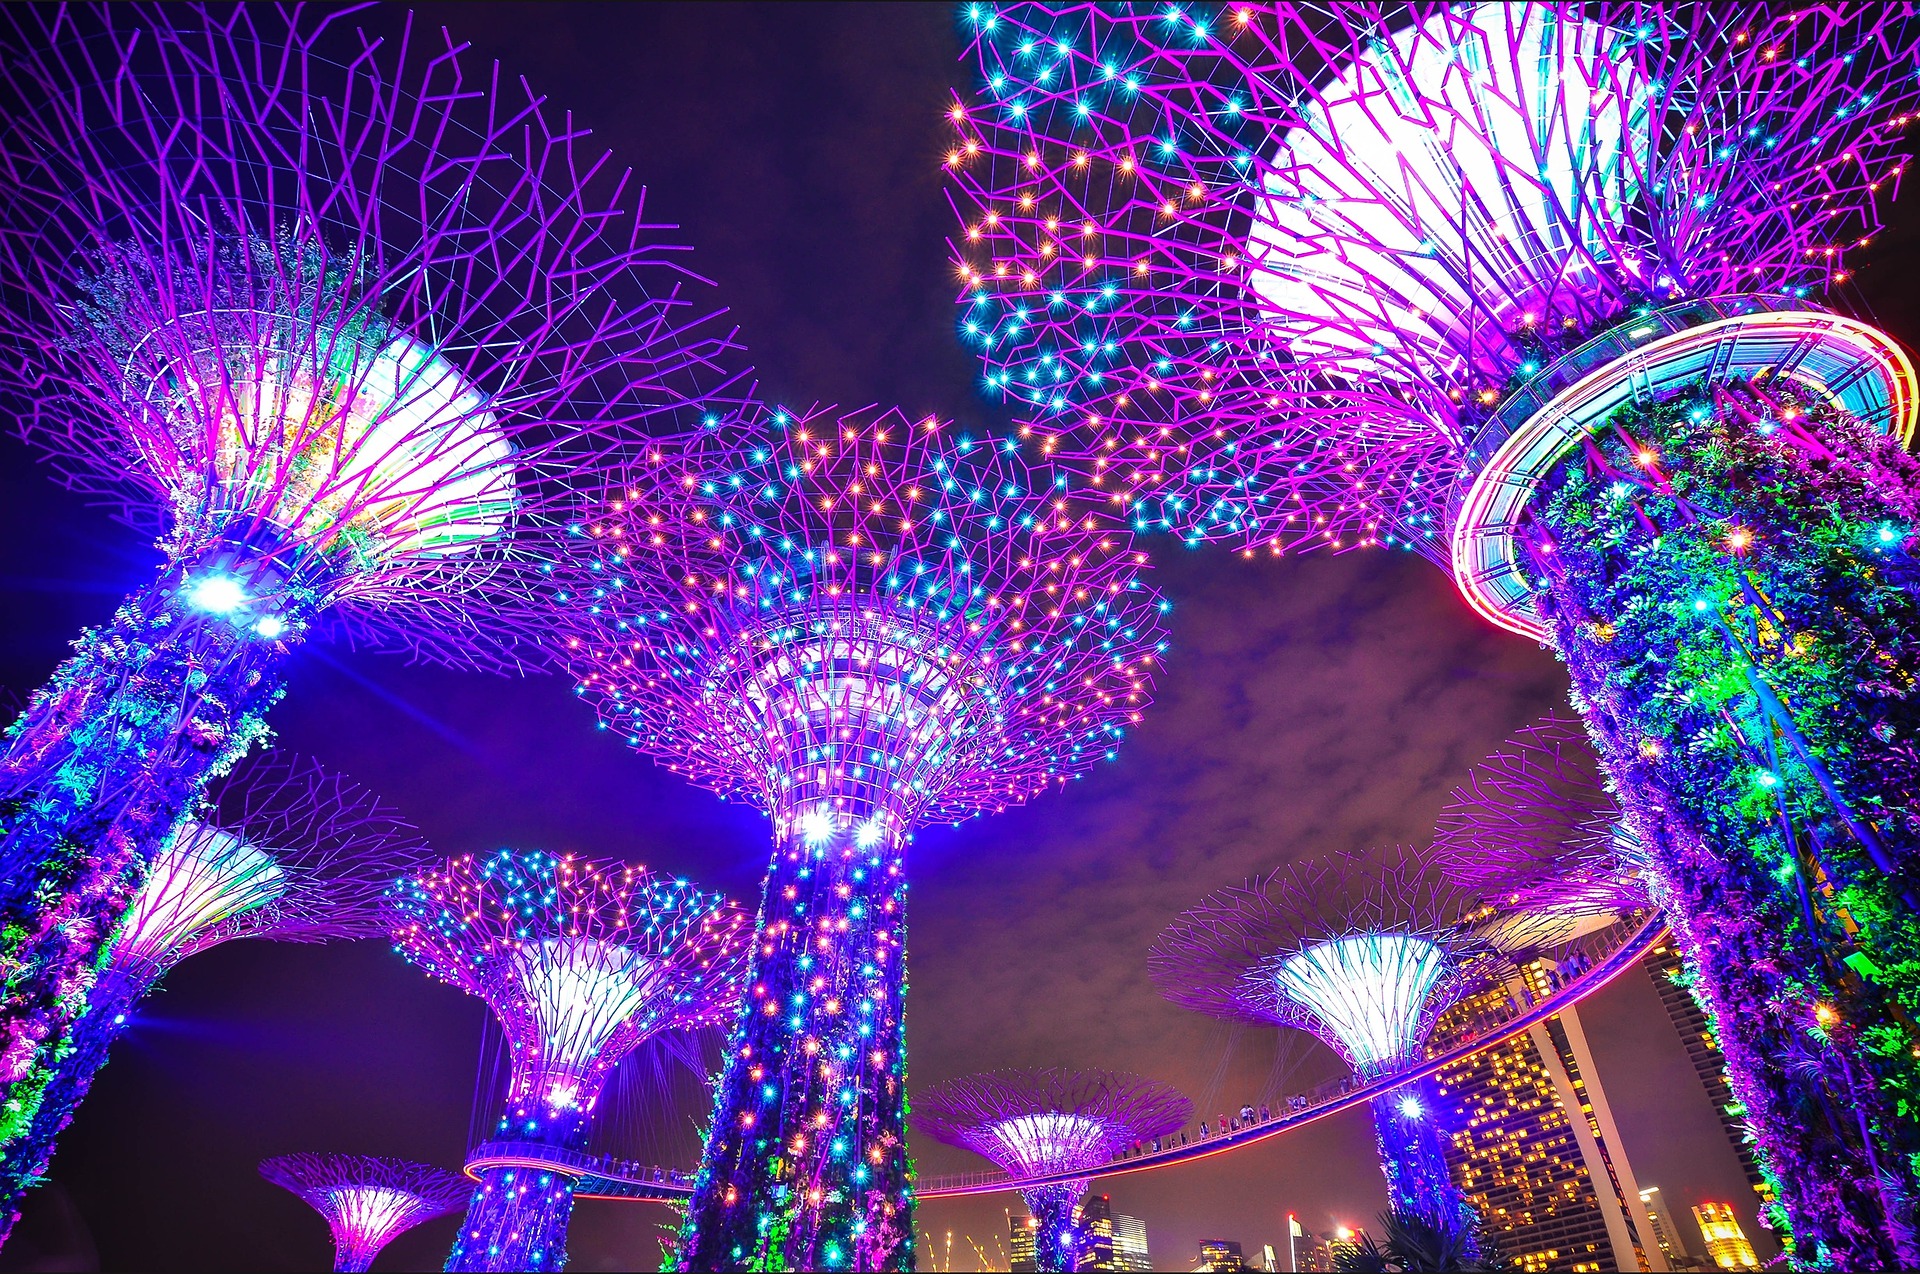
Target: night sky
{"type": "Point", "coordinates": [1309, 705]}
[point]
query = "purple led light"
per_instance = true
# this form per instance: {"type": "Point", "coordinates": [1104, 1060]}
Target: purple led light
{"type": "Point", "coordinates": [1033, 1122]}
{"type": "Point", "coordinates": [367, 1202]}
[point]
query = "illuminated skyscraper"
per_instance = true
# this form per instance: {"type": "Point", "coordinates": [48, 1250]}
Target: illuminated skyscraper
{"type": "Point", "coordinates": [1535, 826]}
{"type": "Point", "coordinates": [1320, 1254]}
{"type": "Point", "coordinates": [1726, 1241]}
{"type": "Point", "coordinates": [1663, 1230]}
{"type": "Point", "coordinates": [1221, 1255]}
{"type": "Point", "coordinates": [1533, 1144]}
{"type": "Point", "coordinates": [1663, 965]}
{"type": "Point", "coordinates": [1097, 1223]}
{"type": "Point", "coordinates": [1130, 1244]}
{"type": "Point", "coordinates": [1020, 1231]}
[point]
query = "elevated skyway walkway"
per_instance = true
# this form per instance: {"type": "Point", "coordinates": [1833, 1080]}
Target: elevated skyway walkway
{"type": "Point", "coordinates": [1589, 962]}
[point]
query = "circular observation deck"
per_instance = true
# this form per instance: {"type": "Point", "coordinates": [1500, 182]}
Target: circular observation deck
{"type": "Point", "coordinates": [1852, 364]}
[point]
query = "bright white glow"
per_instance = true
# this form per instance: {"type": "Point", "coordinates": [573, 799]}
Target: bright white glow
{"type": "Point", "coordinates": [389, 446]}
{"type": "Point", "coordinates": [204, 876]}
{"type": "Point", "coordinates": [217, 594]}
{"type": "Point", "coordinates": [866, 690]}
{"type": "Point", "coordinates": [1368, 990]}
{"type": "Point", "coordinates": [855, 679]}
{"type": "Point", "coordinates": [579, 991]}
{"type": "Point", "coordinates": [816, 826]}
{"type": "Point", "coordinates": [372, 1214]}
{"type": "Point", "coordinates": [870, 833]}
{"type": "Point", "coordinates": [1050, 1142]}
{"type": "Point", "coordinates": [270, 626]}
{"type": "Point", "coordinates": [1452, 179]}
{"type": "Point", "coordinates": [1410, 1107]}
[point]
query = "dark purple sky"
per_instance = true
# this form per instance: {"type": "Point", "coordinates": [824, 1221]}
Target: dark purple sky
{"type": "Point", "coordinates": [1309, 705]}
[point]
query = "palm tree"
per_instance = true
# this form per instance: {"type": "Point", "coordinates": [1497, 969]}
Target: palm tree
{"type": "Point", "coordinates": [1416, 1244]}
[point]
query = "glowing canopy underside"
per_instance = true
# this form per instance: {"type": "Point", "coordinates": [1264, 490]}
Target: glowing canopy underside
{"type": "Point", "coordinates": [1369, 992]}
{"type": "Point", "coordinates": [365, 1201]}
{"type": "Point", "coordinates": [579, 991]}
{"type": "Point", "coordinates": [373, 1214]}
{"type": "Point", "coordinates": [1051, 1142]}
{"type": "Point", "coordinates": [204, 876]}
{"type": "Point", "coordinates": [1455, 176]}
{"type": "Point", "coordinates": [342, 438]}
{"type": "Point", "coordinates": [1033, 1122]}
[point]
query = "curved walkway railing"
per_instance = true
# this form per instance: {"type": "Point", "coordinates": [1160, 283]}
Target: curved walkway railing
{"type": "Point", "coordinates": [1596, 959]}
{"type": "Point", "coordinates": [595, 1176]}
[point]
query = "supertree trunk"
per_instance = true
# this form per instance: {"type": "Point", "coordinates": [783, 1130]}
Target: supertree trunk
{"type": "Point", "coordinates": [1058, 1241]}
{"type": "Point", "coordinates": [806, 1162]}
{"type": "Point", "coordinates": [25, 1158]}
{"type": "Point", "coordinates": [109, 755]}
{"type": "Point", "coordinates": [519, 1216]}
{"type": "Point", "coordinates": [353, 1258]}
{"type": "Point", "coordinates": [1730, 580]}
{"type": "Point", "coordinates": [1414, 1162]}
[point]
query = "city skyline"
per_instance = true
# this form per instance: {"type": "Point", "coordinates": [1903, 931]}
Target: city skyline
{"type": "Point", "coordinates": [1681, 1238]}
{"type": "Point", "coordinates": [1339, 701]}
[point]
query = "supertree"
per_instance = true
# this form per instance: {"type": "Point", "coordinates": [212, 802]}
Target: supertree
{"type": "Point", "coordinates": [1535, 831]}
{"type": "Point", "coordinates": [861, 623]}
{"type": "Point", "coordinates": [341, 319]}
{"type": "Point", "coordinates": [367, 1202]}
{"type": "Point", "coordinates": [1365, 951]}
{"type": "Point", "coordinates": [1035, 1122]}
{"type": "Point", "coordinates": [1533, 290]}
{"type": "Point", "coordinates": [581, 963]}
{"type": "Point", "coordinates": [282, 850]}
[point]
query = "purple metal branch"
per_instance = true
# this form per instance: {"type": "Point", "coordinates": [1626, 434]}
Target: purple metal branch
{"type": "Point", "coordinates": [274, 282]}
{"type": "Point", "coordinates": [1410, 933]}
{"type": "Point", "coordinates": [1049, 1120]}
{"type": "Point", "coordinates": [1534, 828]}
{"type": "Point", "coordinates": [757, 594]}
{"type": "Point", "coordinates": [1271, 264]}
{"type": "Point", "coordinates": [288, 851]}
{"type": "Point", "coordinates": [367, 1202]}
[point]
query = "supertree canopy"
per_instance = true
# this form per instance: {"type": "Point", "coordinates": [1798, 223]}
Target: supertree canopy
{"type": "Point", "coordinates": [860, 623]}
{"type": "Point", "coordinates": [344, 321]}
{"type": "Point", "coordinates": [581, 962]}
{"type": "Point", "coordinates": [1534, 830]}
{"type": "Point", "coordinates": [1363, 950]}
{"type": "Point", "coordinates": [281, 850]}
{"type": "Point", "coordinates": [1535, 291]}
{"type": "Point", "coordinates": [367, 1202]}
{"type": "Point", "coordinates": [1042, 1122]}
